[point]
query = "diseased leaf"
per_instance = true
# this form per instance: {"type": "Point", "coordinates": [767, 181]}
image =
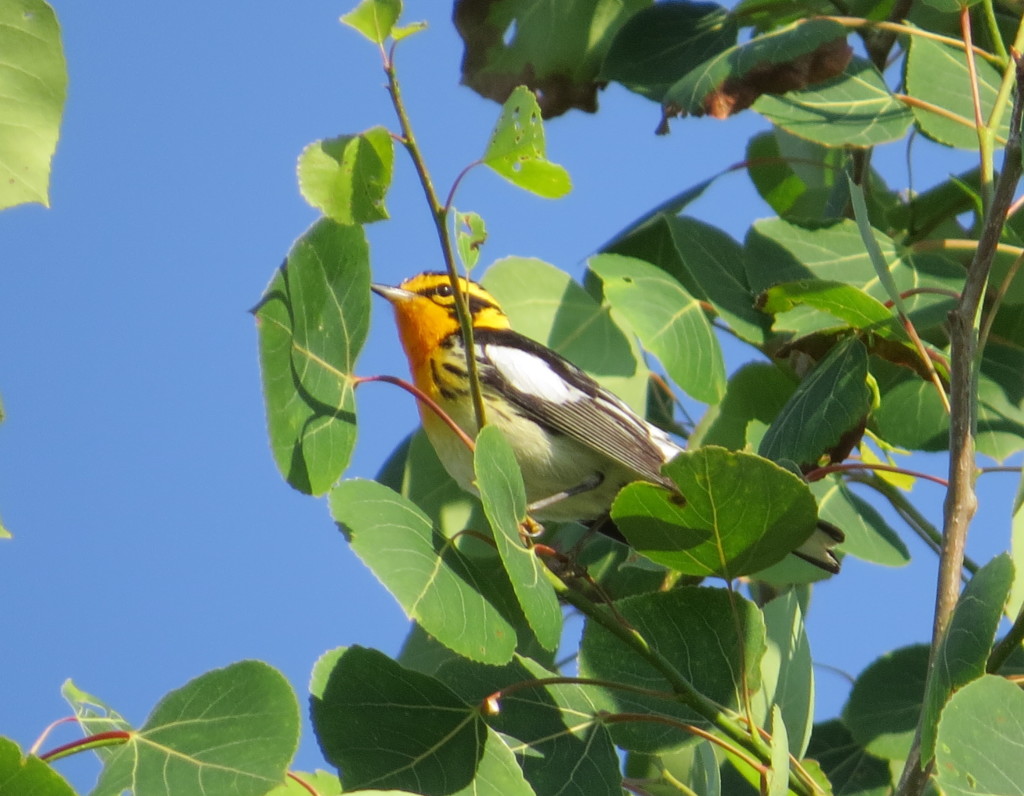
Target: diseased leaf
{"type": "Point", "coordinates": [852, 108]}
{"type": "Point", "coordinates": [508, 44]}
{"type": "Point", "coordinates": [33, 85]}
{"type": "Point", "coordinates": [470, 236]}
{"type": "Point", "coordinates": [232, 731]}
{"type": "Point", "coordinates": [670, 323]}
{"type": "Point", "coordinates": [517, 150]}
{"type": "Point", "coordinates": [789, 58]}
{"type": "Point", "coordinates": [347, 177]}
{"type": "Point", "coordinates": [661, 43]}
{"type": "Point", "coordinates": [312, 322]}
{"type": "Point", "coordinates": [696, 629]}
{"type": "Point", "coordinates": [735, 513]}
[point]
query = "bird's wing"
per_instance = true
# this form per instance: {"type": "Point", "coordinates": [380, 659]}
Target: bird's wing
{"type": "Point", "coordinates": [549, 389]}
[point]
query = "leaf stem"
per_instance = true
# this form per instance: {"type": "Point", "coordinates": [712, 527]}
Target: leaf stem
{"type": "Point", "coordinates": [423, 397]}
{"type": "Point", "coordinates": [439, 213]}
{"type": "Point", "coordinates": [100, 739]}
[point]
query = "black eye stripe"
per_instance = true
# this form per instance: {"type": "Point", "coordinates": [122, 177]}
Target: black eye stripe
{"type": "Point", "coordinates": [476, 303]}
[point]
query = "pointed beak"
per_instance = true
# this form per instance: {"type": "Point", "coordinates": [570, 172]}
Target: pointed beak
{"type": "Point", "coordinates": [392, 294]}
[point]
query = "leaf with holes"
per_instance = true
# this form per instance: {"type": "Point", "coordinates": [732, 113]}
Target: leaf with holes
{"type": "Point", "coordinates": [517, 151]}
{"type": "Point", "coordinates": [312, 323]}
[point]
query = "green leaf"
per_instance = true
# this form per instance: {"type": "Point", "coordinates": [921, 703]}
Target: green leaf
{"type": "Point", "coordinates": [937, 74]}
{"type": "Point", "coordinates": [696, 629]}
{"type": "Point", "coordinates": [967, 642]}
{"type": "Point", "coordinates": [470, 236]}
{"type": "Point", "coordinates": [868, 536]}
{"type": "Point", "coordinates": [388, 727]}
{"type": "Point", "coordinates": [787, 677]}
{"type": "Point", "coordinates": [232, 731]}
{"type": "Point", "coordinates": [799, 179]}
{"type": "Point", "coordinates": [851, 770]}
{"type": "Point", "coordinates": [504, 500]}
{"type": "Point", "coordinates": [663, 42]}
{"type": "Point", "coordinates": [347, 177]}
{"type": "Point", "coordinates": [517, 151]}
{"type": "Point", "coordinates": [323, 783]}
{"type": "Point", "coordinates": [885, 702]}
{"type": "Point", "coordinates": [778, 772]}
{"type": "Point", "coordinates": [757, 392]}
{"type": "Point", "coordinates": [33, 84]}
{"type": "Point", "coordinates": [546, 305]}
{"type": "Point", "coordinates": [312, 323]}
{"type": "Point", "coordinates": [847, 303]}
{"type": "Point", "coordinates": [94, 716]}
{"type": "Point", "coordinates": [28, 776]}
{"type": "Point", "coordinates": [555, 729]}
{"type": "Point", "coordinates": [688, 94]}
{"type": "Point", "coordinates": [830, 403]}
{"type": "Point", "coordinates": [737, 513]}
{"type": "Point", "coordinates": [854, 109]}
{"type": "Point", "coordinates": [374, 18]}
{"type": "Point", "coordinates": [510, 43]}
{"type": "Point", "coordinates": [980, 737]}
{"type": "Point", "coordinates": [447, 586]}
{"type": "Point", "coordinates": [670, 323]}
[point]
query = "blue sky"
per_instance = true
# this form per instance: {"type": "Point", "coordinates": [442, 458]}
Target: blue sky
{"type": "Point", "coordinates": [154, 539]}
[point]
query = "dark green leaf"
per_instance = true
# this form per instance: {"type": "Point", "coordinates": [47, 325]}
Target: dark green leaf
{"type": "Point", "coordinates": [886, 700]}
{"type": "Point", "coordinates": [517, 150]}
{"type": "Point", "coordinates": [374, 18]}
{"type": "Point", "coordinates": [28, 776]}
{"type": "Point", "coordinates": [966, 644]}
{"type": "Point", "coordinates": [562, 744]}
{"type": "Point", "coordinates": [232, 731]}
{"type": "Point", "coordinates": [694, 628]}
{"type": "Point", "coordinates": [690, 94]}
{"type": "Point", "coordinates": [545, 304]}
{"type": "Point", "coordinates": [666, 209]}
{"type": "Point", "coordinates": [797, 178]}
{"type": "Point", "coordinates": [980, 737]}
{"type": "Point", "coordinates": [830, 403]}
{"type": "Point", "coordinates": [670, 323]}
{"type": "Point", "coordinates": [347, 177]}
{"type": "Point", "coordinates": [508, 44]}
{"type": "Point", "coordinates": [388, 727]}
{"type": "Point", "coordinates": [423, 653]}
{"type": "Point", "coordinates": [937, 74]}
{"type": "Point", "coordinates": [737, 513]}
{"type": "Point", "coordinates": [851, 770]}
{"type": "Point", "coordinates": [312, 323]}
{"type": "Point", "coordinates": [854, 109]}
{"type": "Point", "coordinates": [756, 392]}
{"type": "Point", "coordinates": [504, 500]}
{"type": "Point", "coordinates": [440, 585]}
{"type": "Point", "coordinates": [33, 84]}
{"type": "Point", "coordinates": [660, 44]}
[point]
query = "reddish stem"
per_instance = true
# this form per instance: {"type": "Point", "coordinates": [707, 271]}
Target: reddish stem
{"type": "Point", "coordinates": [821, 472]}
{"type": "Point", "coordinates": [86, 743]}
{"type": "Point", "coordinates": [425, 399]}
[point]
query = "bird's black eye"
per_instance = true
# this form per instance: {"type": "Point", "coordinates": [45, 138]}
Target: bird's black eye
{"type": "Point", "coordinates": [444, 291]}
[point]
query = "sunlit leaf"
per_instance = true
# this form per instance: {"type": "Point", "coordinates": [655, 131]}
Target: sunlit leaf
{"type": "Point", "coordinates": [868, 535]}
{"type": "Point", "coordinates": [445, 589]}
{"type": "Point", "coordinates": [756, 392]}
{"type": "Point", "coordinates": [980, 737]}
{"type": "Point", "coordinates": [844, 302]}
{"type": "Point", "coordinates": [735, 513]}
{"type": "Point", "coordinates": [33, 84]}
{"type": "Point", "coordinates": [312, 323]}
{"type": "Point", "coordinates": [855, 108]}
{"type": "Point", "coordinates": [504, 500]}
{"type": "Point", "coordinates": [965, 646]}
{"type": "Point", "coordinates": [670, 323]}
{"type": "Point", "coordinates": [28, 775]}
{"type": "Point", "coordinates": [696, 629]}
{"type": "Point", "coordinates": [470, 236]}
{"type": "Point", "coordinates": [799, 179]}
{"type": "Point", "coordinates": [517, 150]}
{"type": "Point", "coordinates": [347, 177]}
{"type": "Point", "coordinates": [232, 731]}
{"type": "Point", "coordinates": [374, 18]}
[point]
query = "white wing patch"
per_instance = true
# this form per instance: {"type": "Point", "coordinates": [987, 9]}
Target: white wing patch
{"type": "Point", "coordinates": [531, 375]}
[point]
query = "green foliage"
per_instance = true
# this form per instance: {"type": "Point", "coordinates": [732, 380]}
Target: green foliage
{"type": "Point", "coordinates": [844, 299]}
{"type": "Point", "coordinates": [33, 84]}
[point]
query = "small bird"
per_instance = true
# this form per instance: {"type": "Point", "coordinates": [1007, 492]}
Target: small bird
{"type": "Point", "coordinates": [576, 443]}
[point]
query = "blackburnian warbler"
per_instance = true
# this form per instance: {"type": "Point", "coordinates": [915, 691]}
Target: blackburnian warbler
{"type": "Point", "coordinates": [577, 444]}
